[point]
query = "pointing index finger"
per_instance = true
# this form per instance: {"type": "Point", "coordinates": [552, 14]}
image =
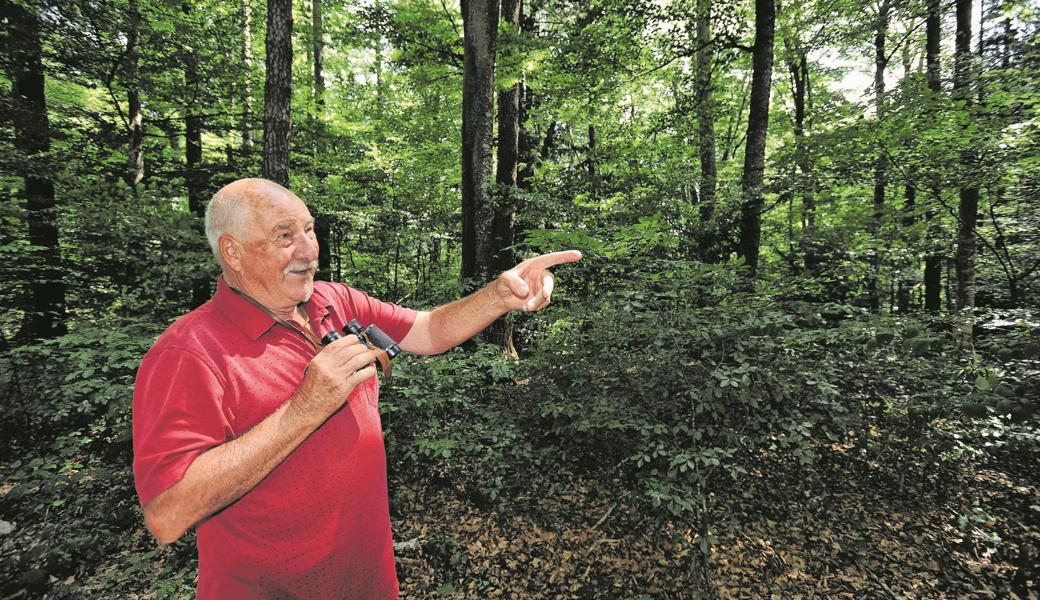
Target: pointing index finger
{"type": "Point", "coordinates": [555, 258]}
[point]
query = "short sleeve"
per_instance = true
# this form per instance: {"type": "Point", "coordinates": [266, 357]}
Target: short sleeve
{"type": "Point", "coordinates": [396, 321]}
{"type": "Point", "coordinates": [178, 414]}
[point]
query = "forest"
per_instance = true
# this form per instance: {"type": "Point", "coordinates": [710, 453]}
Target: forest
{"type": "Point", "coordinates": [800, 358]}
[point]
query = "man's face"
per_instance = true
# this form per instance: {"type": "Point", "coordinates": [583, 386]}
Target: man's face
{"type": "Point", "coordinates": [280, 251]}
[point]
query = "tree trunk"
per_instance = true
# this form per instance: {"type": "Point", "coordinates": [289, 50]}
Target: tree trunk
{"type": "Point", "coordinates": [318, 49]}
{"type": "Point", "coordinates": [480, 26]}
{"type": "Point", "coordinates": [278, 91]}
{"type": "Point", "coordinates": [798, 65]}
{"type": "Point", "coordinates": [880, 162]}
{"type": "Point", "coordinates": [969, 194]}
{"type": "Point", "coordinates": [506, 179]}
{"type": "Point", "coordinates": [758, 126]}
{"type": "Point", "coordinates": [245, 125]}
{"type": "Point", "coordinates": [196, 183]}
{"type": "Point", "coordinates": [194, 178]}
{"type": "Point", "coordinates": [906, 283]}
{"type": "Point", "coordinates": [135, 153]}
{"type": "Point", "coordinates": [705, 124]}
{"type": "Point", "coordinates": [45, 310]}
{"type": "Point", "coordinates": [933, 261]}
{"type": "Point", "coordinates": [322, 223]}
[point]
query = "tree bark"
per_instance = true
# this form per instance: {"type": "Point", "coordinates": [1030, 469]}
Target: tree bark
{"type": "Point", "coordinates": [278, 91]}
{"type": "Point", "coordinates": [245, 125]}
{"type": "Point", "coordinates": [880, 162]}
{"type": "Point", "coordinates": [506, 180]}
{"type": "Point", "coordinates": [322, 222]}
{"type": "Point", "coordinates": [906, 283]}
{"type": "Point", "coordinates": [758, 126]}
{"type": "Point", "coordinates": [969, 194]}
{"type": "Point", "coordinates": [45, 310]}
{"type": "Point", "coordinates": [135, 152]}
{"type": "Point", "coordinates": [318, 50]}
{"type": "Point", "coordinates": [194, 179]}
{"type": "Point", "coordinates": [480, 27]}
{"type": "Point", "coordinates": [196, 182]}
{"type": "Point", "coordinates": [798, 65]}
{"type": "Point", "coordinates": [193, 164]}
{"type": "Point", "coordinates": [705, 116]}
{"type": "Point", "coordinates": [933, 261]}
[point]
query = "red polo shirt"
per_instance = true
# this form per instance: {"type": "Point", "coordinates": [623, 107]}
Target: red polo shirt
{"type": "Point", "coordinates": [318, 526]}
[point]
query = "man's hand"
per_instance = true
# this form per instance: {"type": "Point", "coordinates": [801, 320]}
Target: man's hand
{"type": "Point", "coordinates": [332, 375]}
{"type": "Point", "coordinates": [529, 285]}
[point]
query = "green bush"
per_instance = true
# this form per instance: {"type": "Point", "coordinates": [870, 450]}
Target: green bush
{"type": "Point", "coordinates": [457, 416]}
{"type": "Point", "coordinates": [74, 390]}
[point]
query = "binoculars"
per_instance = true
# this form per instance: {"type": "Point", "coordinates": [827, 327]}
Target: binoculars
{"type": "Point", "coordinates": [373, 338]}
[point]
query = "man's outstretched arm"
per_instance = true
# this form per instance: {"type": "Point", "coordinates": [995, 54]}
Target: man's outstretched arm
{"type": "Point", "coordinates": [527, 287]}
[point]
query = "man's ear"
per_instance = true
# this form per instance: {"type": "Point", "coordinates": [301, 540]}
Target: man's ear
{"type": "Point", "coordinates": [230, 252]}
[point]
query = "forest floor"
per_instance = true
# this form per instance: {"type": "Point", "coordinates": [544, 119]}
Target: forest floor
{"type": "Point", "coordinates": [845, 527]}
{"type": "Point", "coordinates": [899, 525]}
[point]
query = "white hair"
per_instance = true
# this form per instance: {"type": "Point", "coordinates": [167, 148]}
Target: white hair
{"type": "Point", "coordinates": [227, 212]}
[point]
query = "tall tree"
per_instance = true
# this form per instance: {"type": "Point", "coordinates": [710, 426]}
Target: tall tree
{"type": "Point", "coordinates": [194, 122]}
{"type": "Point", "coordinates": [480, 31]}
{"type": "Point", "coordinates": [321, 220]}
{"type": "Point", "coordinates": [45, 310]}
{"type": "Point", "coordinates": [318, 53]}
{"type": "Point", "coordinates": [245, 124]}
{"type": "Point", "coordinates": [797, 60]}
{"type": "Point", "coordinates": [880, 161]}
{"type": "Point", "coordinates": [278, 91]}
{"type": "Point", "coordinates": [705, 113]}
{"type": "Point", "coordinates": [933, 260]}
{"type": "Point", "coordinates": [906, 282]}
{"type": "Point", "coordinates": [758, 126]}
{"type": "Point", "coordinates": [194, 176]}
{"type": "Point", "coordinates": [506, 180]}
{"type": "Point", "coordinates": [135, 151]}
{"type": "Point", "coordinates": [531, 149]}
{"type": "Point", "coordinates": [194, 179]}
{"type": "Point", "coordinates": [967, 213]}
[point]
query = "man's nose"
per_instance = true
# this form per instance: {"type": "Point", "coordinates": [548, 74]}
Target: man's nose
{"type": "Point", "coordinates": [307, 248]}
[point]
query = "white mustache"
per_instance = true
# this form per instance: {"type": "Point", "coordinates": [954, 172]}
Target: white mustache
{"type": "Point", "coordinates": [301, 265]}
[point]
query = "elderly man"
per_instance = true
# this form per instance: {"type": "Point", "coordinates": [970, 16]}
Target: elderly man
{"type": "Point", "coordinates": [246, 428]}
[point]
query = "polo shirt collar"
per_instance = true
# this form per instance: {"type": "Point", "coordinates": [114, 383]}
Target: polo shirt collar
{"type": "Point", "coordinates": [250, 319]}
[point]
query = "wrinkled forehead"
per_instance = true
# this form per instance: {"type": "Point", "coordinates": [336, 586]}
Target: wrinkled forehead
{"type": "Point", "coordinates": [276, 210]}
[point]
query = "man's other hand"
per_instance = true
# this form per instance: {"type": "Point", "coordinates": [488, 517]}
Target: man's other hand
{"type": "Point", "coordinates": [333, 374]}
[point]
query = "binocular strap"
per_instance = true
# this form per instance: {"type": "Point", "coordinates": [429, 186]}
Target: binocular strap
{"type": "Point", "coordinates": [384, 361]}
{"type": "Point", "coordinates": [381, 355]}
